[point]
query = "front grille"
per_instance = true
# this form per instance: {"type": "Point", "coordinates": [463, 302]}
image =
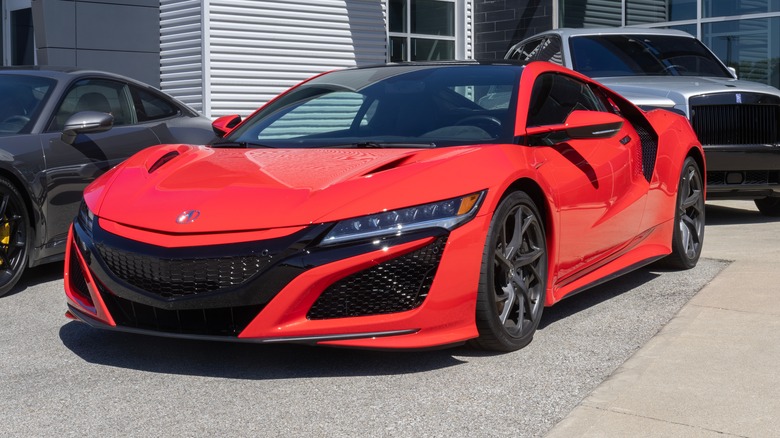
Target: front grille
{"type": "Point", "coordinates": [750, 177]}
{"type": "Point", "coordinates": [226, 321]}
{"type": "Point", "coordinates": [179, 277]}
{"type": "Point", "coordinates": [736, 124]}
{"type": "Point", "coordinates": [78, 284]}
{"type": "Point", "coordinates": [397, 285]}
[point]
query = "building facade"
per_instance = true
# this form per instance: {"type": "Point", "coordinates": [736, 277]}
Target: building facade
{"type": "Point", "coordinates": [230, 56]}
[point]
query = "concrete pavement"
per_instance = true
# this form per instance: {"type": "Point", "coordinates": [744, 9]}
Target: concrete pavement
{"type": "Point", "coordinates": [712, 371]}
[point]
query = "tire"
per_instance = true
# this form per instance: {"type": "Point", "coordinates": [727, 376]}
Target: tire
{"type": "Point", "coordinates": [769, 206]}
{"type": "Point", "coordinates": [513, 276]}
{"type": "Point", "coordinates": [688, 235]}
{"type": "Point", "coordinates": [14, 236]}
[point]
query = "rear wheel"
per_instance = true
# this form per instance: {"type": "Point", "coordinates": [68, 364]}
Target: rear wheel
{"type": "Point", "coordinates": [769, 206]}
{"type": "Point", "coordinates": [688, 233]}
{"type": "Point", "coordinates": [513, 276]}
{"type": "Point", "coordinates": [14, 236]}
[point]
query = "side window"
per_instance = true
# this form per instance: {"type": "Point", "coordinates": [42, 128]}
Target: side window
{"type": "Point", "coordinates": [94, 95]}
{"type": "Point", "coordinates": [545, 49]}
{"type": "Point", "coordinates": [550, 50]}
{"type": "Point", "coordinates": [150, 106]}
{"type": "Point", "coordinates": [555, 96]}
{"type": "Point", "coordinates": [527, 51]}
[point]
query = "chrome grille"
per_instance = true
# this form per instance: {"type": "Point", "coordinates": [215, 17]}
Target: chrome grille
{"type": "Point", "coordinates": [736, 124]}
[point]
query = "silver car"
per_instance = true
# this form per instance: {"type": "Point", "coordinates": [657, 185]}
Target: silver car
{"type": "Point", "coordinates": [738, 122]}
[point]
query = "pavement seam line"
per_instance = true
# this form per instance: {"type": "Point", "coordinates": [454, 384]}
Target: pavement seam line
{"type": "Point", "coordinates": [614, 411]}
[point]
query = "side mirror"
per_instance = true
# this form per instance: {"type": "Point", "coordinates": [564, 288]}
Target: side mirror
{"type": "Point", "coordinates": [579, 125]}
{"type": "Point", "coordinates": [86, 122]}
{"type": "Point", "coordinates": [733, 72]}
{"type": "Point", "coordinates": [223, 125]}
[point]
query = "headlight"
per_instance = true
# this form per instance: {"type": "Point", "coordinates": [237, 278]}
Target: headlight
{"type": "Point", "coordinates": [446, 214]}
{"type": "Point", "coordinates": [85, 217]}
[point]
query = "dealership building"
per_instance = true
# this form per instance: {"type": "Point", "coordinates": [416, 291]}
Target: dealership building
{"type": "Point", "coordinates": [230, 56]}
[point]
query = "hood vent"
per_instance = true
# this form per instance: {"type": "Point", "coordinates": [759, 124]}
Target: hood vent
{"type": "Point", "coordinates": [162, 160]}
{"type": "Point", "coordinates": [388, 166]}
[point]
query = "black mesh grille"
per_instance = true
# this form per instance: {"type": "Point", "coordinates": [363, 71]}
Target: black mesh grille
{"type": "Point", "coordinates": [397, 285]}
{"type": "Point", "coordinates": [226, 321]}
{"type": "Point", "coordinates": [178, 277]}
{"type": "Point", "coordinates": [750, 177]}
{"type": "Point", "coordinates": [737, 124]}
{"type": "Point", "coordinates": [78, 283]}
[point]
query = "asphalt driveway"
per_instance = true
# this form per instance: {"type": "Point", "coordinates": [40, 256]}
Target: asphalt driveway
{"type": "Point", "coordinates": [60, 378]}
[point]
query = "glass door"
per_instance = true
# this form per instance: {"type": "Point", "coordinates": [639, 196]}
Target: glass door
{"type": "Point", "coordinates": [18, 39]}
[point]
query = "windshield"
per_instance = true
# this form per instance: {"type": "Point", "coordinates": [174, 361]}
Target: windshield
{"type": "Point", "coordinates": [21, 98]}
{"type": "Point", "coordinates": [394, 106]}
{"type": "Point", "coordinates": [643, 55]}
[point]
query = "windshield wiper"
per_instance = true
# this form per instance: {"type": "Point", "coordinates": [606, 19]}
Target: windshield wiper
{"type": "Point", "coordinates": [238, 144]}
{"type": "Point", "coordinates": [386, 145]}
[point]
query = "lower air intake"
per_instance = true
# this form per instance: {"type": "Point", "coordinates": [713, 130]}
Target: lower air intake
{"type": "Point", "coordinates": [397, 285]}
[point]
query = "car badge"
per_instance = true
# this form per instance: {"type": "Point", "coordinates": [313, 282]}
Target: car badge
{"type": "Point", "coordinates": [739, 97]}
{"type": "Point", "coordinates": [188, 217]}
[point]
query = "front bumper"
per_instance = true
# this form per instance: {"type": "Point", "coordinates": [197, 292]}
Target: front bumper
{"type": "Point", "coordinates": [742, 171]}
{"type": "Point", "coordinates": [412, 291]}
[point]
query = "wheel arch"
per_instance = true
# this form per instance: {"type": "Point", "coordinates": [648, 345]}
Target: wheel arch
{"type": "Point", "coordinates": [698, 156]}
{"type": "Point", "coordinates": [545, 206]}
{"type": "Point", "coordinates": [32, 213]}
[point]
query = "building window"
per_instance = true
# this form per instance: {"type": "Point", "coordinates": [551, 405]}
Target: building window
{"type": "Point", "coordinates": [750, 46]}
{"type": "Point", "coordinates": [421, 30]}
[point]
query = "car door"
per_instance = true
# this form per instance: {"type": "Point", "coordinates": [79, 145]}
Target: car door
{"type": "Point", "coordinates": [597, 181]}
{"type": "Point", "coordinates": [71, 167]}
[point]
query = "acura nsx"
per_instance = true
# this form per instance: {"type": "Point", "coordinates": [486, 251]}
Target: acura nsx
{"type": "Point", "coordinates": [399, 206]}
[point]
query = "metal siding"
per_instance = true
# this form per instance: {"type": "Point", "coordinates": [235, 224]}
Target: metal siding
{"type": "Point", "coordinates": [260, 48]}
{"type": "Point", "coordinates": [181, 51]}
{"type": "Point", "coordinates": [469, 31]}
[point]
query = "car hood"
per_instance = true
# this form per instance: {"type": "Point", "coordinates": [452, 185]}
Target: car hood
{"type": "Point", "coordinates": [667, 91]}
{"type": "Point", "coordinates": [241, 190]}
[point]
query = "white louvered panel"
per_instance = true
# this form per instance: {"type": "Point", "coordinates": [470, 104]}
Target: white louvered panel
{"type": "Point", "coordinates": [469, 40]}
{"type": "Point", "coordinates": [181, 51]}
{"type": "Point", "coordinates": [260, 48]}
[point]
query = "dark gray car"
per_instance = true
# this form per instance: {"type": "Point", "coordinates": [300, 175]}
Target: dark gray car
{"type": "Point", "coordinates": [59, 130]}
{"type": "Point", "coordinates": [737, 122]}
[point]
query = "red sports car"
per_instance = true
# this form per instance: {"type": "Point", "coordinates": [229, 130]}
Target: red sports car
{"type": "Point", "coordinates": [402, 206]}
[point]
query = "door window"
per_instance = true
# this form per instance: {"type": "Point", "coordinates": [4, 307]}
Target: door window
{"type": "Point", "coordinates": [555, 96]}
{"type": "Point", "coordinates": [94, 95]}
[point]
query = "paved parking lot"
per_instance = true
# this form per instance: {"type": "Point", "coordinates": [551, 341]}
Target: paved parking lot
{"type": "Point", "coordinates": [62, 378]}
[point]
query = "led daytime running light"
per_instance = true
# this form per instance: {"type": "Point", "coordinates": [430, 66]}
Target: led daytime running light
{"type": "Point", "coordinates": [446, 214]}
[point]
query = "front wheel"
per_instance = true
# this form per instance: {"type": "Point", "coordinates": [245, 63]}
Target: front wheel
{"type": "Point", "coordinates": [14, 237]}
{"type": "Point", "coordinates": [769, 206]}
{"type": "Point", "coordinates": [688, 235]}
{"type": "Point", "coordinates": [513, 276]}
